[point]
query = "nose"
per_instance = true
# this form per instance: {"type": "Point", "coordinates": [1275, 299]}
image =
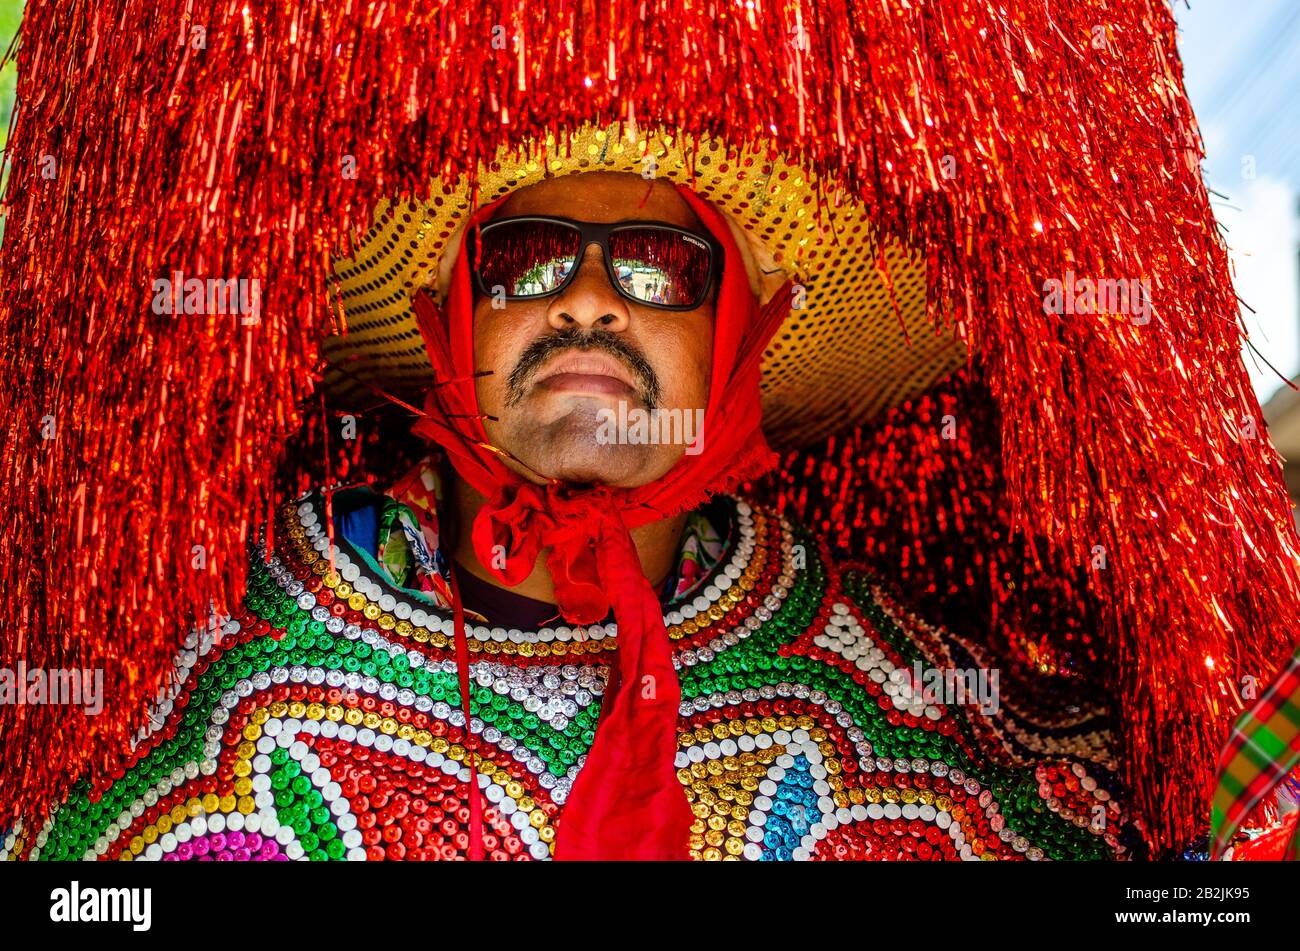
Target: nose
{"type": "Point", "coordinates": [590, 300]}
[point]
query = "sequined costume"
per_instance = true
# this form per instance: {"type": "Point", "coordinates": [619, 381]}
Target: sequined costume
{"type": "Point", "coordinates": [323, 721]}
{"type": "Point", "coordinates": [1081, 485]}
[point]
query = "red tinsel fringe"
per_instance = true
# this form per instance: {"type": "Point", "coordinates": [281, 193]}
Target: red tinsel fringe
{"type": "Point", "coordinates": [137, 150]}
{"type": "Point", "coordinates": [918, 496]}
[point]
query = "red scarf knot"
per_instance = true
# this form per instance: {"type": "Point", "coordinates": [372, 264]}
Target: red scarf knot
{"type": "Point", "coordinates": [512, 529]}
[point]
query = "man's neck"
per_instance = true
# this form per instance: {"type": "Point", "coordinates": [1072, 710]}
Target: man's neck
{"type": "Point", "coordinates": [656, 544]}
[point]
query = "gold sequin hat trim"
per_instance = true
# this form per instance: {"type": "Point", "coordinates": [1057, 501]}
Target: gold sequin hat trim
{"type": "Point", "coordinates": [839, 359]}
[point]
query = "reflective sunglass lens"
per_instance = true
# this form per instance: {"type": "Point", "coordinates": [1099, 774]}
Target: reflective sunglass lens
{"type": "Point", "coordinates": [659, 266]}
{"type": "Point", "coordinates": [526, 258]}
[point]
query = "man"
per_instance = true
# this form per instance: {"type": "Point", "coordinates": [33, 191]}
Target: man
{"type": "Point", "coordinates": [1096, 495]}
{"type": "Point", "coordinates": [328, 719]}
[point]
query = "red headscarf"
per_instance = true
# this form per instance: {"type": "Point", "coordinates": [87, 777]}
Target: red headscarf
{"type": "Point", "coordinates": [627, 802]}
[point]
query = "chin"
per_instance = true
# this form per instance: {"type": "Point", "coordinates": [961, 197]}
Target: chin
{"type": "Point", "coordinates": [565, 448]}
{"type": "Point", "coordinates": [589, 463]}
{"type": "Point", "coordinates": [571, 454]}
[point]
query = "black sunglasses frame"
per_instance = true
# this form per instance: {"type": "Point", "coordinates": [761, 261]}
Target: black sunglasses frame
{"type": "Point", "coordinates": [590, 233]}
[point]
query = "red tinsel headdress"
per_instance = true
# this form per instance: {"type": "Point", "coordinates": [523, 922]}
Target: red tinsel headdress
{"type": "Point", "coordinates": [1010, 142]}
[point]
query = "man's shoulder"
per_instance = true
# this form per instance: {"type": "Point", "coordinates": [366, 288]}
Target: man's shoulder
{"type": "Point", "coordinates": [859, 604]}
{"type": "Point", "coordinates": [926, 698]}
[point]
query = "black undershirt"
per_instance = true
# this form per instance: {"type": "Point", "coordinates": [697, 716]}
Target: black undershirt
{"type": "Point", "coordinates": [502, 607]}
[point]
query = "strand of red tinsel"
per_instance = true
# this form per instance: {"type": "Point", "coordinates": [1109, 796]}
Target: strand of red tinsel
{"type": "Point", "coordinates": [137, 150]}
{"type": "Point", "coordinates": [918, 496]}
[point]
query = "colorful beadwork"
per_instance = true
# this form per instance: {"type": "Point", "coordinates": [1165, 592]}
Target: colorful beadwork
{"type": "Point", "coordinates": [324, 722]}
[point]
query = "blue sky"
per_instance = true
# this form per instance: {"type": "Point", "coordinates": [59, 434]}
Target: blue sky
{"type": "Point", "coordinates": [1241, 62]}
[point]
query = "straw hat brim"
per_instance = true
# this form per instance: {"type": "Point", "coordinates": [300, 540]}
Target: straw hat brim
{"type": "Point", "coordinates": [840, 358]}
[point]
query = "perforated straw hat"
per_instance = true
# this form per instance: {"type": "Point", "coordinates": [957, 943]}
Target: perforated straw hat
{"type": "Point", "coordinates": [841, 357]}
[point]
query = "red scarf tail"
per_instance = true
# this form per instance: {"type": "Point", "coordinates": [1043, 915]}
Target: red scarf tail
{"type": "Point", "coordinates": [627, 802]}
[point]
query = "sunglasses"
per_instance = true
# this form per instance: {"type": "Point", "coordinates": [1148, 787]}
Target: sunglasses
{"type": "Point", "coordinates": [648, 262]}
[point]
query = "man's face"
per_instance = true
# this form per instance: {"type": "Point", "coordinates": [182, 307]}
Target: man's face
{"type": "Point", "coordinates": [557, 362]}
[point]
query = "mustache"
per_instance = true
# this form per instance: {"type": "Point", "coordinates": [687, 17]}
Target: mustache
{"type": "Point", "coordinates": [574, 338]}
